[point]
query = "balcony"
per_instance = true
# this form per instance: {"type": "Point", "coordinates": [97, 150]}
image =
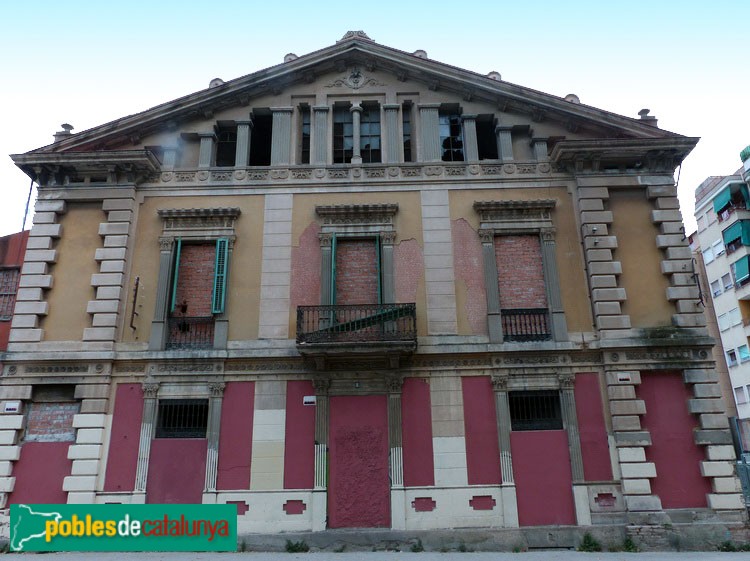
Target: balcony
{"type": "Point", "coordinates": [376, 331]}
{"type": "Point", "coordinates": [190, 333]}
{"type": "Point", "coordinates": [526, 324]}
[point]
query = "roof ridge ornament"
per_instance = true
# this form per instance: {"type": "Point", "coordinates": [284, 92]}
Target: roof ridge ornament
{"type": "Point", "coordinates": [354, 35]}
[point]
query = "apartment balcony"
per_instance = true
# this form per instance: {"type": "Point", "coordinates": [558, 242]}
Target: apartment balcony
{"type": "Point", "coordinates": [189, 333]}
{"type": "Point", "coordinates": [383, 333]}
{"type": "Point", "coordinates": [526, 324]}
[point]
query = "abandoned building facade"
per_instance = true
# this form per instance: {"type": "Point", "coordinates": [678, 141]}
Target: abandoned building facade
{"type": "Point", "coordinates": [363, 288]}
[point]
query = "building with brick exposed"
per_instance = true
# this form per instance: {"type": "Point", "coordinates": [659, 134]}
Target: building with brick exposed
{"type": "Point", "coordinates": [363, 288]}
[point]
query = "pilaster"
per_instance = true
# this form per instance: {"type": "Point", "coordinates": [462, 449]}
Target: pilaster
{"type": "Point", "coordinates": [677, 258]}
{"type": "Point", "coordinates": [159, 329]}
{"type": "Point", "coordinates": [206, 153]}
{"type": "Point", "coordinates": [502, 409]}
{"type": "Point", "coordinates": [494, 319]}
{"type": "Point", "coordinates": [387, 239]}
{"type": "Point", "coordinates": [471, 148]}
{"type": "Point", "coordinates": [281, 136]}
{"type": "Point", "coordinates": [392, 146]}
{"type": "Point", "coordinates": [539, 147]}
{"type": "Point", "coordinates": [108, 283]}
{"type": "Point", "coordinates": [31, 305]}
{"type": "Point", "coordinates": [148, 425]}
{"type": "Point", "coordinates": [429, 127]}
{"type": "Point", "coordinates": [552, 286]}
{"type": "Point", "coordinates": [276, 266]}
{"type": "Point", "coordinates": [319, 136]}
{"type": "Point", "coordinates": [242, 155]}
{"type": "Point", "coordinates": [504, 143]}
{"type": "Point", "coordinates": [212, 434]}
{"type": "Point", "coordinates": [320, 510]}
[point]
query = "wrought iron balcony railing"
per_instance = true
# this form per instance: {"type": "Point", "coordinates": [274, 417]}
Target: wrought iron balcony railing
{"type": "Point", "coordinates": [191, 333]}
{"type": "Point", "coordinates": [356, 323]}
{"type": "Point", "coordinates": [526, 324]}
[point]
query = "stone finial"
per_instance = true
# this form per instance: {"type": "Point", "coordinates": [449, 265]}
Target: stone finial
{"type": "Point", "coordinates": [215, 83]}
{"type": "Point", "coordinates": [289, 57]}
{"type": "Point", "coordinates": [64, 133]}
{"type": "Point", "coordinates": [650, 119]}
{"type": "Point", "coordinates": [420, 53]}
{"type": "Point", "coordinates": [572, 98]}
{"type": "Point", "coordinates": [494, 76]}
{"type": "Point", "coordinates": [354, 35]}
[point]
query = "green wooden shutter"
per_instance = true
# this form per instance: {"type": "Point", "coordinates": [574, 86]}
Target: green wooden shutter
{"type": "Point", "coordinates": [721, 201]}
{"type": "Point", "coordinates": [378, 269]}
{"type": "Point", "coordinates": [333, 270]}
{"type": "Point", "coordinates": [220, 276]}
{"type": "Point", "coordinates": [741, 270]}
{"type": "Point", "coordinates": [176, 274]}
{"type": "Point", "coordinates": [746, 232]}
{"type": "Point", "coordinates": [745, 195]}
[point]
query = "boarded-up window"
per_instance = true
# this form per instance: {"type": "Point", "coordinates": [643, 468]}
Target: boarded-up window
{"type": "Point", "coordinates": [520, 276]}
{"type": "Point", "coordinates": [356, 271]}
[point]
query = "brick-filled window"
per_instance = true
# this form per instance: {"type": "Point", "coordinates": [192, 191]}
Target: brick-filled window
{"type": "Point", "coordinates": [198, 293]}
{"type": "Point", "coordinates": [535, 410]}
{"type": "Point", "coordinates": [520, 281]}
{"type": "Point", "coordinates": [49, 415]}
{"type": "Point", "coordinates": [182, 418]}
{"type": "Point", "coordinates": [356, 271]}
{"type": "Point", "coordinates": [8, 289]}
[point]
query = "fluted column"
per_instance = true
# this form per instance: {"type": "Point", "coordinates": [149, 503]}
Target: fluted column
{"type": "Point", "coordinates": [148, 423]}
{"type": "Point", "coordinates": [356, 111]}
{"type": "Point", "coordinates": [504, 143]}
{"type": "Point", "coordinates": [570, 420]}
{"type": "Point", "coordinates": [429, 126]}
{"type": "Point", "coordinates": [471, 148]}
{"type": "Point", "coordinates": [502, 408]}
{"type": "Point", "coordinates": [539, 146]}
{"type": "Point", "coordinates": [319, 136]}
{"type": "Point", "coordinates": [281, 136]}
{"type": "Point", "coordinates": [244, 129]}
{"type": "Point", "coordinates": [158, 324]}
{"type": "Point", "coordinates": [392, 145]}
{"type": "Point", "coordinates": [212, 434]}
{"type": "Point", "coordinates": [206, 154]}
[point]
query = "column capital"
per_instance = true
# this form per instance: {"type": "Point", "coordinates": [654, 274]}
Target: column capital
{"type": "Point", "coordinates": [500, 383]}
{"type": "Point", "coordinates": [503, 128]}
{"type": "Point", "coordinates": [469, 117]}
{"type": "Point", "coordinates": [355, 107]}
{"type": "Point", "coordinates": [166, 243]}
{"type": "Point", "coordinates": [211, 135]}
{"type": "Point", "coordinates": [249, 122]}
{"type": "Point", "coordinates": [216, 389]}
{"type": "Point", "coordinates": [282, 109]}
{"type": "Point", "coordinates": [391, 106]}
{"type": "Point", "coordinates": [325, 239]}
{"type": "Point", "coordinates": [150, 390]}
{"type": "Point", "coordinates": [567, 380]}
{"type": "Point", "coordinates": [428, 105]}
{"type": "Point", "coordinates": [486, 235]}
{"type": "Point", "coordinates": [321, 108]}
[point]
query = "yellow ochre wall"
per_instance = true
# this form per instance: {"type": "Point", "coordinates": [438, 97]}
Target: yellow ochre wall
{"type": "Point", "coordinates": [72, 290]}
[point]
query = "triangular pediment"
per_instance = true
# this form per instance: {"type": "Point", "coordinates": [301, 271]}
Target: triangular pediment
{"type": "Point", "coordinates": [357, 66]}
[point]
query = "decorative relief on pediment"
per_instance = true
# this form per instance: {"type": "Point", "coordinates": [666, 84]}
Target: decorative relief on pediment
{"type": "Point", "coordinates": [354, 80]}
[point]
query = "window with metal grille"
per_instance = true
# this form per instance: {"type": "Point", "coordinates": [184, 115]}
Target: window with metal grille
{"type": "Point", "coordinates": [182, 418]}
{"type": "Point", "coordinates": [535, 410]}
{"type": "Point", "coordinates": [8, 289]}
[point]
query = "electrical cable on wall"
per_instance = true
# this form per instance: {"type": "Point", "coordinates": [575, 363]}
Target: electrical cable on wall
{"type": "Point", "coordinates": [28, 201]}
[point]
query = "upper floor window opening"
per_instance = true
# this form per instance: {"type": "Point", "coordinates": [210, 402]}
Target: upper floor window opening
{"type": "Point", "coordinates": [486, 139]}
{"type": "Point", "coordinates": [226, 146]}
{"type": "Point", "coordinates": [406, 110]}
{"type": "Point", "coordinates": [370, 134]}
{"type": "Point", "coordinates": [451, 136]}
{"type": "Point", "coordinates": [304, 112]}
{"type": "Point", "coordinates": [343, 134]}
{"type": "Point", "coordinates": [260, 138]}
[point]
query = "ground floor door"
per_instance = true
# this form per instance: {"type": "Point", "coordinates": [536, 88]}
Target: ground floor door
{"type": "Point", "coordinates": [359, 484]}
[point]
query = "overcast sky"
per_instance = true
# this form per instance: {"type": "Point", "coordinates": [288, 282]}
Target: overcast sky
{"type": "Point", "coordinates": [90, 62]}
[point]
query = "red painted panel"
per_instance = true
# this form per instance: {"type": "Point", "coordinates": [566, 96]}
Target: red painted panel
{"type": "Point", "coordinates": [597, 465]}
{"type": "Point", "coordinates": [39, 473]}
{"type": "Point", "coordinates": [236, 438]}
{"type": "Point", "coordinates": [423, 504]}
{"type": "Point", "coordinates": [480, 424]}
{"type": "Point", "coordinates": [122, 459]}
{"type": "Point", "coordinates": [416, 427]}
{"type": "Point", "coordinates": [299, 439]}
{"type": "Point", "coordinates": [176, 471]}
{"type": "Point", "coordinates": [544, 484]}
{"type": "Point", "coordinates": [294, 507]}
{"type": "Point", "coordinates": [359, 486]}
{"type": "Point", "coordinates": [482, 502]}
{"type": "Point", "coordinates": [12, 250]}
{"type": "Point", "coordinates": [678, 481]}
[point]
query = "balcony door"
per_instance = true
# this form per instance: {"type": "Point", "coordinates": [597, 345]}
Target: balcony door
{"type": "Point", "coordinates": [356, 271]}
{"type": "Point", "coordinates": [359, 484]}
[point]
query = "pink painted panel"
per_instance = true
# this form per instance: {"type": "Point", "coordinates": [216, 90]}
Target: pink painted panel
{"type": "Point", "coordinates": [176, 471]}
{"type": "Point", "coordinates": [39, 473]}
{"type": "Point", "coordinates": [408, 266]}
{"type": "Point", "coordinates": [469, 267]}
{"type": "Point", "coordinates": [305, 278]}
{"type": "Point", "coordinates": [236, 438]}
{"type": "Point", "coordinates": [122, 459]}
{"type": "Point", "coordinates": [544, 484]}
{"type": "Point", "coordinates": [299, 439]}
{"type": "Point", "coordinates": [359, 487]}
{"type": "Point", "coordinates": [597, 465]}
{"type": "Point", "coordinates": [678, 481]}
{"type": "Point", "coordinates": [416, 427]}
{"type": "Point", "coordinates": [480, 424]}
